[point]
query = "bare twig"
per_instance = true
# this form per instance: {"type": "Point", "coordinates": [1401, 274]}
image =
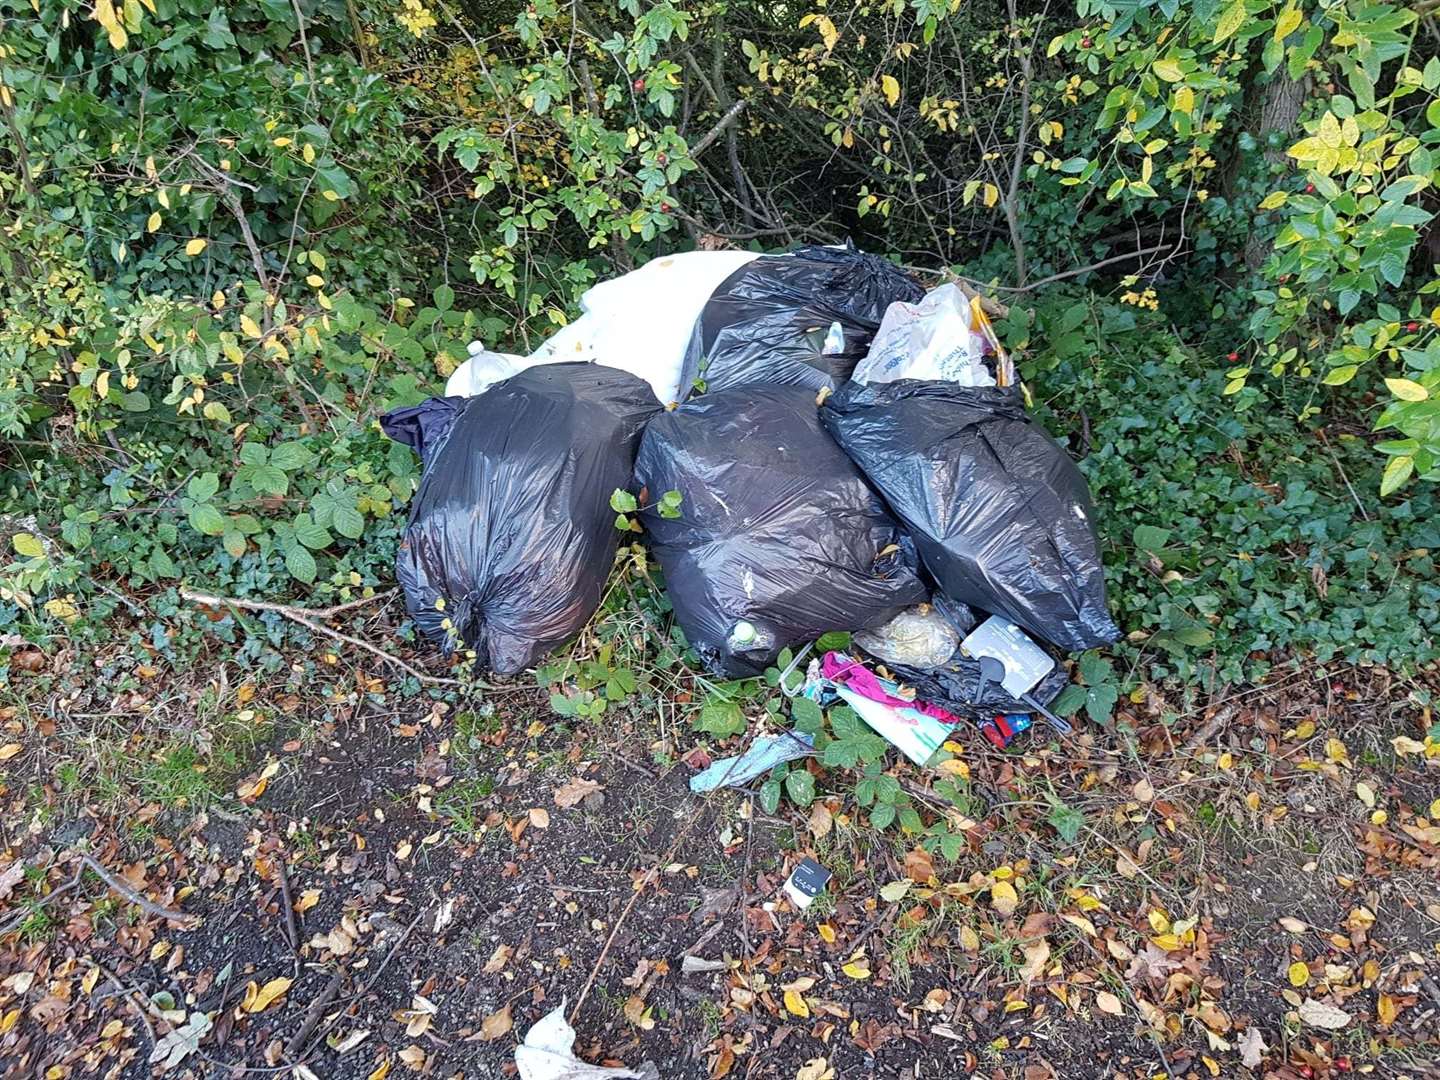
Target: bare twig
{"type": "Point", "coordinates": [1127, 257]}
{"type": "Point", "coordinates": [290, 931]}
{"type": "Point", "coordinates": [313, 1015]}
{"type": "Point", "coordinates": [148, 906]}
{"type": "Point", "coordinates": [305, 46]}
{"type": "Point", "coordinates": [650, 875]}
{"type": "Point", "coordinates": [307, 617]}
{"type": "Point", "coordinates": [127, 993]}
{"type": "Point", "coordinates": [731, 114]}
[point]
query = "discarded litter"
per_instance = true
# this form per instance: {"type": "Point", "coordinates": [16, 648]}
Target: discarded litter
{"type": "Point", "coordinates": [548, 1053]}
{"type": "Point", "coordinates": [763, 754]}
{"type": "Point", "coordinates": [806, 882]}
{"type": "Point", "coordinates": [639, 322]}
{"type": "Point", "coordinates": [802, 319]}
{"type": "Point", "coordinates": [999, 513]}
{"type": "Point", "coordinates": [920, 636]}
{"type": "Point", "coordinates": [916, 728]}
{"type": "Point", "coordinates": [849, 442]}
{"type": "Point", "coordinates": [511, 536]}
{"type": "Point", "coordinates": [779, 538]}
{"type": "Point", "coordinates": [946, 336]}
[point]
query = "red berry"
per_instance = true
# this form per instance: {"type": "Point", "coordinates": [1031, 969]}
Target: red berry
{"type": "Point", "coordinates": [638, 85]}
{"type": "Point", "coordinates": [1085, 43]}
{"type": "Point", "coordinates": [1343, 1064]}
{"type": "Point", "coordinates": [1309, 189]}
{"type": "Point", "coordinates": [1232, 356]}
{"type": "Point", "coordinates": [1306, 1071]}
{"type": "Point", "coordinates": [662, 157]}
{"type": "Point", "coordinates": [664, 208]}
{"type": "Point", "coordinates": [1412, 326]}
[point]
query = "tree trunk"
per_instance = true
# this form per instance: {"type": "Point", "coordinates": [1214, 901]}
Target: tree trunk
{"type": "Point", "coordinates": [1280, 105]}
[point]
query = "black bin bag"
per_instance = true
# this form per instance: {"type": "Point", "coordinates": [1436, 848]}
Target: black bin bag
{"type": "Point", "coordinates": [770, 320]}
{"type": "Point", "coordinates": [511, 536]}
{"type": "Point", "coordinates": [999, 513]}
{"type": "Point", "coordinates": [779, 538]}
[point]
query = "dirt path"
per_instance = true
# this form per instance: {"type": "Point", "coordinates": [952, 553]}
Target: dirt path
{"type": "Point", "coordinates": [455, 876]}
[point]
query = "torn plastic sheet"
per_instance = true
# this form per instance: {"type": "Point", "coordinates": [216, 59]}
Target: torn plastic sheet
{"type": "Point", "coordinates": [548, 1053]}
{"type": "Point", "coordinates": [764, 754]}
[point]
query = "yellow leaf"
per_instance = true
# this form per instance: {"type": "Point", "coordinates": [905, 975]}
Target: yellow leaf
{"type": "Point", "coordinates": [314, 280]}
{"type": "Point", "coordinates": [826, 932]}
{"type": "Point", "coordinates": [1407, 389]}
{"type": "Point", "coordinates": [1330, 134]}
{"type": "Point", "coordinates": [9, 750]}
{"type": "Point", "coordinates": [1305, 729]}
{"type": "Point", "coordinates": [281, 142]}
{"type": "Point", "coordinates": [308, 153]}
{"type": "Point", "coordinates": [796, 1004]}
{"type": "Point", "coordinates": [1298, 973]}
{"type": "Point", "coordinates": [1335, 752]}
{"type": "Point", "coordinates": [308, 899]}
{"type": "Point", "coordinates": [163, 197]}
{"type": "Point", "coordinates": [1168, 69]}
{"type": "Point", "coordinates": [991, 194]}
{"type": "Point", "coordinates": [380, 1071]}
{"type": "Point", "coordinates": [969, 939]}
{"type": "Point", "coordinates": [152, 222]}
{"type": "Point", "coordinates": [859, 968]}
{"type": "Point", "coordinates": [1107, 1002]}
{"type": "Point", "coordinates": [1274, 199]}
{"type": "Point", "coordinates": [195, 246]}
{"type": "Point", "coordinates": [828, 33]}
{"type": "Point", "coordinates": [1387, 1009]}
{"type": "Point", "coordinates": [1003, 898]}
{"type": "Point", "coordinates": [1285, 25]}
{"type": "Point", "coordinates": [1184, 99]}
{"type": "Point", "coordinates": [331, 194]}
{"type": "Point", "coordinates": [1081, 923]}
{"type": "Point", "coordinates": [1230, 21]}
{"type": "Point", "coordinates": [249, 326]}
{"type": "Point", "coordinates": [1365, 793]}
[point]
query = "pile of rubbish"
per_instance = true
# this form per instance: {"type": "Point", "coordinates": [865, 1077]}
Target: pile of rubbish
{"type": "Point", "coordinates": [850, 452]}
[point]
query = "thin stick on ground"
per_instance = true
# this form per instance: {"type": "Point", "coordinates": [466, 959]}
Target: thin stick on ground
{"type": "Point", "coordinates": [307, 617]}
{"type": "Point", "coordinates": [115, 884]}
{"type": "Point", "coordinates": [290, 931]}
{"type": "Point", "coordinates": [1134, 1003]}
{"type": "Point", "coordinates": [127, 992]}
{"type": "Point", "coordinates": [313, 1015]}
{"type": "Point", "coordinates": [629, 907]}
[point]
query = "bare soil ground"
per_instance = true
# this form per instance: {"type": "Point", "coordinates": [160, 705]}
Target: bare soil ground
{"type": "Point", "coordinates": [382, 886]}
